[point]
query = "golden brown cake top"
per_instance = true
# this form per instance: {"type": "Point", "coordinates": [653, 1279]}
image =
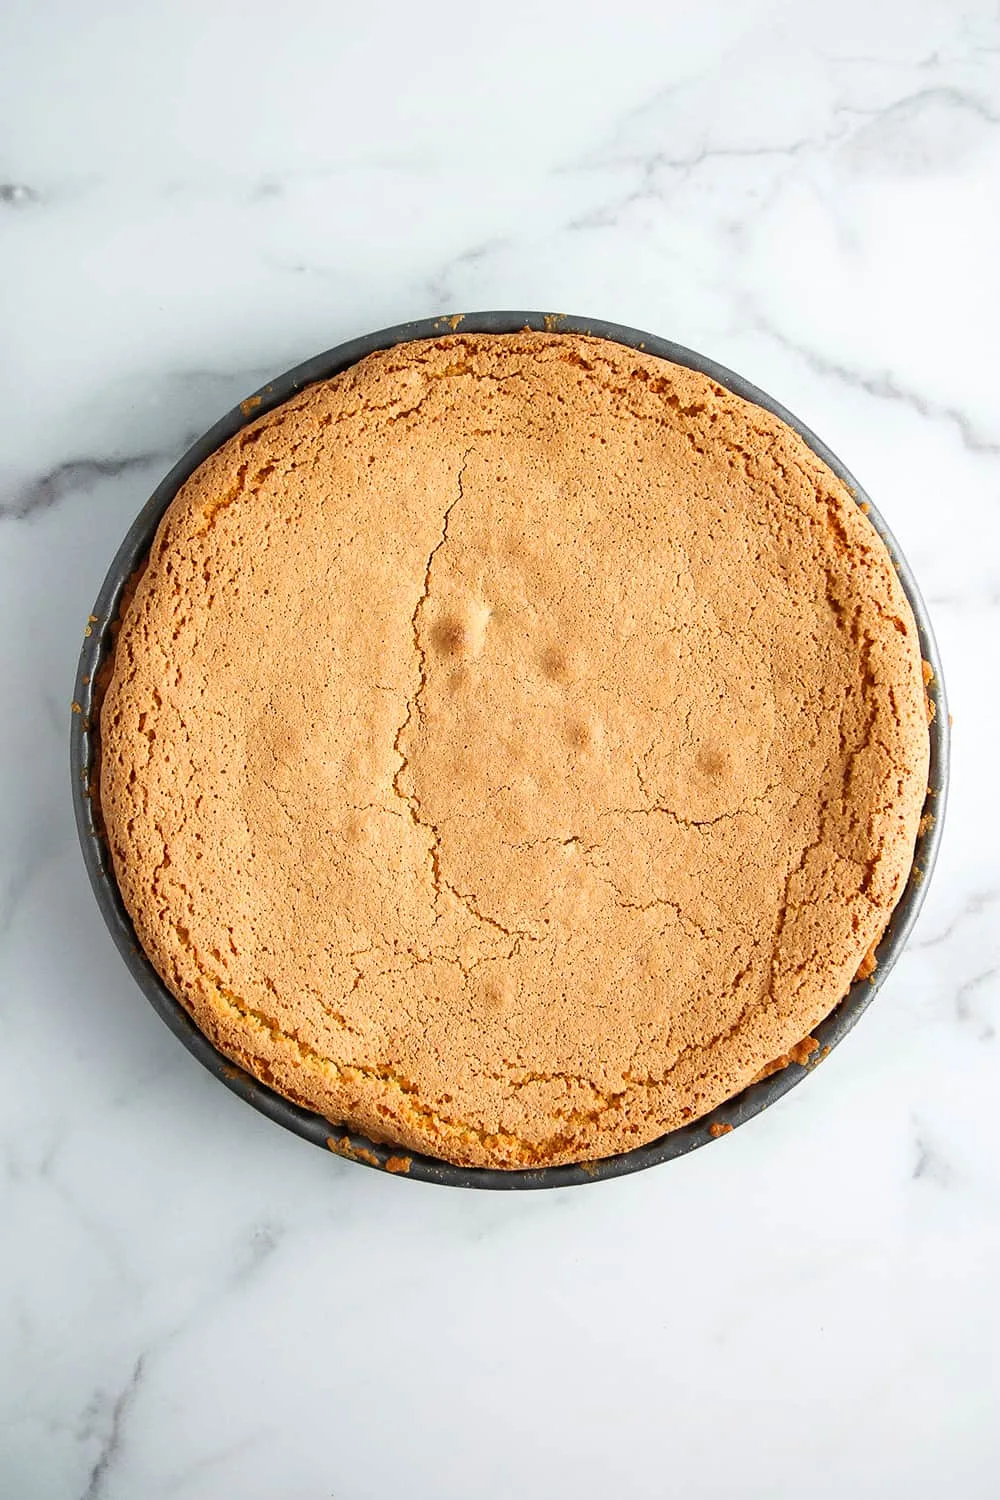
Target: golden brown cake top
{"type": "Point", "coordinates": [513, 745]}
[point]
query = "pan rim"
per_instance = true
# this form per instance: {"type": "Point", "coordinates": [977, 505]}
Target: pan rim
{"type": "Point", "coordinates": [348, 1143]}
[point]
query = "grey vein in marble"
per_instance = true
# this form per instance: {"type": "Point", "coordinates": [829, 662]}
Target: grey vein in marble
{"type": "Point", "coordinates": [112, 1445]}
{"type": "Point", "coordinates": [651, 165]}
{"type": "Point", "coordinates": [947, 94]}
{"type": "Point", "coordinates": [17, 195]}
{"type": "Point", "coordinates": [921, 134]}
{"type": "Point", "coordinates": [881, 140]}
{"type": "Point", "coordinates": [179, 1484]}
{"type": "Point", "coordinates": [166, 414]}
{"type": "Point", "coordinates": [76, 476]}
{"type": "Point", "coordinates": [988, 600]}
{"type": "Point", "coordinates": [966, 1011]}
{"type": "Point", "coordinates": [931, 1165]}
{"type": "Point", "coordinates": [977, 903]}
{"type": "Point", "coordinates": [439, 287]}
{"type": "Point", "coordinates": [884, 386]}
{"type": "Point", "coordinates": [261, 1244]}
{"type": "Point", "coordinates": [604, 157]}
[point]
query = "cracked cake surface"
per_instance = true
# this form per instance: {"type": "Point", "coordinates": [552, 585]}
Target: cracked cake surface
{"type": "Point", "coordinates": [512, 746]}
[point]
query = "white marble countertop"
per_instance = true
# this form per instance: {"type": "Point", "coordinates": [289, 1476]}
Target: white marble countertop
{"type": "Point", "coordinates": [194, 1304]}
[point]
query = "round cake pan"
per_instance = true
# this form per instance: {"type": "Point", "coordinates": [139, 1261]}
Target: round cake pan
{"type": "Point", "coordinates": [98, 641]}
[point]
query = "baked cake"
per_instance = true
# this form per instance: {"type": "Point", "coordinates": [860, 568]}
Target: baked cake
{"type": "Point", "coordinates": [513, 746]}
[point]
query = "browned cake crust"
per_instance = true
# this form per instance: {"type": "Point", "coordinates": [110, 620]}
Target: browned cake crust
{"type": "Point", "coordinates": [513, 745]}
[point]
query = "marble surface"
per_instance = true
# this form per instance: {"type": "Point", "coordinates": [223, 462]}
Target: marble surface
{"type": "Point", "coordinates": [194, 1304]}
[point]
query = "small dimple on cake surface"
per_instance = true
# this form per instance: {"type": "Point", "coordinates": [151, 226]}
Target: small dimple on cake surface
{"type": "Point", "coordinates": [513, 745]}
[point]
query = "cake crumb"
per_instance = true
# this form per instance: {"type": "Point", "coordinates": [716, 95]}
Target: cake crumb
{"type": "Point", "coordinates": [800, 1053]}
{"type": "Point", "coordinates": [344, 1147]}
{"type": "Point", "coordinates": [868, 964]}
